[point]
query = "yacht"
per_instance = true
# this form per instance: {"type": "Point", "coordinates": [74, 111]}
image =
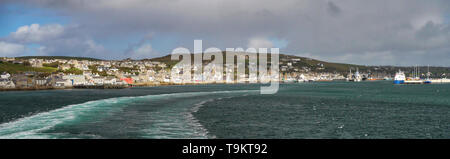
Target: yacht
{"type": "Point", "coordinates": [358, 77]}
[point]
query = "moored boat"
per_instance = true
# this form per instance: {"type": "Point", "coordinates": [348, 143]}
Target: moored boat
{"type": "Point", "coordinates": [399, 77]}
{"type": "Point", "coordinates": [358, 77]}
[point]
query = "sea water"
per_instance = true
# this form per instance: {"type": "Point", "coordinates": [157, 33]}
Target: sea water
{"type": "Point", "coordinates": [298, 110]}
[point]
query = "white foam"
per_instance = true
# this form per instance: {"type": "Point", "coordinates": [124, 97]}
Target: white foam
{"type": "Point", "coordinates": [30, 127]}
{"type": "Point", "coordinates": [35, 125]}
{"type": "Point", "coordinates": [184, 125]}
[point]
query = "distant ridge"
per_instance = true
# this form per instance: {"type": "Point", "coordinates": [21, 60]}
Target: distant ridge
{"type": "Point", "coordinates": [316, 66]}
{"type": "Point", "coordinates": [59, 57]}
{"type": "Point", "coordinates": [304, 62]}
{"type": "Point", "coordinates": [312, 64]}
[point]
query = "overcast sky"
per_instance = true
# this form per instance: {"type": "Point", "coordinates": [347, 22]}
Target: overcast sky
{"type": "Point", "coordinates": [372, 32]}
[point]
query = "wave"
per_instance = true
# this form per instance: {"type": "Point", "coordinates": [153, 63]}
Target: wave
{"type": "Point", "coordinates": [38, 125]}
{"type": "Point", "coordinates": [183, 124]}
{"type": "Point", "coordinates": [30, 127]}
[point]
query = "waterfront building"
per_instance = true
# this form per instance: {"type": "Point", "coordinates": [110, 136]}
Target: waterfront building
{"type": "Point", "coordinates": [5, 75]}
{"type": "Point", "coordinates": [75, 79]}
{"type": "Point", "coordinates": [6, 83]}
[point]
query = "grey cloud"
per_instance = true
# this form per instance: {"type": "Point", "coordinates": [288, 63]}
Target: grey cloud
{"type": "Point", "coordinates": [142, 49]}
{"type": "Point", "coordinates": [387, 31]}
{"type": "Point", "coordinates": [55, 39]}
{"type": "Point", "coordinates": [11, 49]}
{"type": "Point", "coordinates": [431, 30]}
{"type": "Point", "coordinates": [333, 9]}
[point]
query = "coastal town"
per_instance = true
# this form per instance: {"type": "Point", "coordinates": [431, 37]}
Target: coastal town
{"type": "Point", "coordinates": [70, 72]}
{"type": "Point", "coordinates": [82, 73]}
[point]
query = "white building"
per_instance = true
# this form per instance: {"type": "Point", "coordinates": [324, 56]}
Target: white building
{"type": "Point", "coordinates": [98, 80]}
{"type": "Point", "coordinates": [63, 83]}
{"type": "Point", "coordinates": [75, 79]}
{"type": "Point", "coordinates": [6, 83]}
{"type": "Point", "coordinates": [5, 75]}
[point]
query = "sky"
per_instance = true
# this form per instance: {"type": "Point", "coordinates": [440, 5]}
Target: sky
{"type": "Point", "coordinates": [367, 32]}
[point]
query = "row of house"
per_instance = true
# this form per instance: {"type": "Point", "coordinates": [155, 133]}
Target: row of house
{"type": "Point", "coordinates": [23, 80]}
{"type": "Point", "coordinates": [129, 72]}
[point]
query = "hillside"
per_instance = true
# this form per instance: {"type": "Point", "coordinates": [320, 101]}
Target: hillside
{"type": "Point", "coordinates": [17, 68]}
{"type": "Point", "coordinates": [322, 66]}
{"type": "Point", "coordinates": [302, 63]}
{"type": "Point", "coordinates": [58, 57]}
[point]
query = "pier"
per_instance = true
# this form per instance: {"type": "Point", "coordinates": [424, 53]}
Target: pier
{"type": "Point", "coordinates": [414, 82]}
{"type": "Point", "coordinates": [101, 86]}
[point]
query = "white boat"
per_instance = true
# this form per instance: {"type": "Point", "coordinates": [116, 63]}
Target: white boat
{"type": "Point", "coordinates": [350, 76]}
{"type": "Point", "coordinates": [413, 82]}
{"type": "Point", "coordinates": [358, 77]}
{"type": "Point", "coordinates": [415, 79]}
{"type": "Point", "coordinates": [302, 79]}
{"type": "Point", "coordinates": [428, 80]}
{"type": "Point", "coordinates": [399, 77]}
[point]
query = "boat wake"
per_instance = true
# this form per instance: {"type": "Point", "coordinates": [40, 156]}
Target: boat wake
{"type": "Point", "coordinates": [171, 121]}
{"type": "Point", "coordinates": [176, 124]}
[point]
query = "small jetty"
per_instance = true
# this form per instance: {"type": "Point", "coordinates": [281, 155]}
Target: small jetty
{"type": "Point", "coordinates": [101, 86]}
{"type": "Point", "coordinates": [413, 82]}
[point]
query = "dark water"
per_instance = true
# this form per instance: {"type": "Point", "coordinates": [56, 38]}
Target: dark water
{"type": "Point", "coordinates": [307, 110]}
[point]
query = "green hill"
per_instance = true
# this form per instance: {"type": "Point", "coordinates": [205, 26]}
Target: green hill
{"type": "Point", "coordinates": [323, 66]}
{"type": "Point", "coordinates": [18, 68]}
{"type": "Point", "coordinates": [304, 62]}
{"type": "Point", "coordinates": [58, 57]}
{"type": "Point", "coordinates": [312, 65]}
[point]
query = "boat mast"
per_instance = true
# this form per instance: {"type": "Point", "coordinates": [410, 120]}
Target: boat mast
{"type": "Point", "coordinates": [418, 72]}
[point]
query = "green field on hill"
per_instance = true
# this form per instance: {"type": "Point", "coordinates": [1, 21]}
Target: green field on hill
{"type": "Point", "coordinates": [18, 68]}
{"type": "Point", "coordinates": [58, 57]}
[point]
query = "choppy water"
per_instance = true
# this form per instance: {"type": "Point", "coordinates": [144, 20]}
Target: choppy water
{"type": "Point", "coordinates": [306, 110]}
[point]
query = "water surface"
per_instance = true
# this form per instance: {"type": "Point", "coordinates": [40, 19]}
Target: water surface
{"type": "Point", "coordinates": [303, 110]}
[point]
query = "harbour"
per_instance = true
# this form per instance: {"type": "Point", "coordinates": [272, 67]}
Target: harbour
{"type": "Point", "coordinates": [417, 78]}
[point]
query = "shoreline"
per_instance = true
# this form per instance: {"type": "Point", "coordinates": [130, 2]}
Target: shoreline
{"type": "Point", "coordinates": [134, 85]}
{"type": "Point", "coordinates": [30, 89]}
{"type": "Point", "coordinates": [113, 87]}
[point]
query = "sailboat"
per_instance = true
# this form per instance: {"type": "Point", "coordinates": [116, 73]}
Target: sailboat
{"type": "Point", "coordinates": [302, 78]}
{"type": "Point", "coordinates": [358, 77]}
{"type": "Point", "coordinates": [415, 79]}
{"type": "Point", "coordinates": [428, 80]}
{"type": "Point", "coordinates": [350, 76]}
